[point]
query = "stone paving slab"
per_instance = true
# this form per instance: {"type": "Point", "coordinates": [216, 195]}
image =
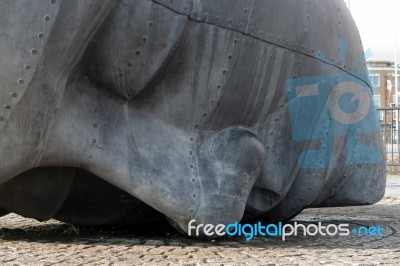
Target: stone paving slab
{"type": "Point", "coordinates": [28, 242]}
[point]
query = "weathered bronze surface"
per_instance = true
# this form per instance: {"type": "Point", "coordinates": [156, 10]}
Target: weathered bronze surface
{"type": "Point", "coordinates": [210, 110]}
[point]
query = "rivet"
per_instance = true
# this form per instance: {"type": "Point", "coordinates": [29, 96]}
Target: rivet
{"type": "Point", "coordinates": [137, 52]}
{"type": "Point", "coordinates": [151, 23]}
{"type": "Point", "coordinates": [204, 114]}
{"type": "Point", "coordinates": [34, 51]}
{"type": "Point", "coordinates": [191, 211]}
{"type": "Point", "coordinates": [144, 39]}
{"type": "Point", "coordinates": [129, 64]}
{"type": "Point", "coordinates": [40, 35]}
{"type": "Point", "coordinates": [212, 101]}
{"type": "Point", "coordinates": [191, 166]}
{"type": "Point", "coordinates": [230, 21]}
{"type": "Point", "coordinates": [184, 7]}
{"type": "Point", "coordinates": [1, 119]}
{"type": "Point", "coordinates": [224, 71]}
{"type": "Point", "coordinates": [7, 107]}
{"type": "Point", "coordinates": [53, 1]}
{"type": "Point", "coordinates": [194, 196]}
{"type": "Point", "coordinates": [20, 81]}
{"type": "Point", "coordinates": [191, 138]}
{"type": "Point", "coordinates": [193, 180]}
{"type": "Point", "coordinates": [197, 126]}
{"type": "Point", "coordinates": [27, 67]}
{"type": "Point", "coordinates": [219, 86]}
{"type": "Point", "coordinates": [235, 41]}
{"type": "Point", "coordinates": [95, 125]}
{"type": "Point", "coordinates": [94, 141]}
{"type": "Point", "coordinates": [13, 95]}
{"type": "Point", "coordinates": [268, 147]}
{"type": "Point", "coordinates": [190, 153]}
{"type": "Point", "coordinates": [245, 10]}
{"type": "Point", "coordinates": [47, 18]}
{"type": "Point", "coordinates": [230, 57]}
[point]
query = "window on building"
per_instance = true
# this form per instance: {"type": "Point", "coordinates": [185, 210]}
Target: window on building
{"type": "Point", "coordinates": [375, 80]}
{"type": "Point", "coordinates": [394, 101]}
{"type": "Point", "coordinates": [377, 101]}
{"type": "Point", "coordinates": [394, 81]}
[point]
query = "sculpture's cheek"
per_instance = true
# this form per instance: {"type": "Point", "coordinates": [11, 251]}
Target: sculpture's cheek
{"type": "Point", "coordinates": [131, 49]}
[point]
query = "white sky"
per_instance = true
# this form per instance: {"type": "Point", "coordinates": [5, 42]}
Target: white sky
{"type": "Point", "coordinates": [377, 21]}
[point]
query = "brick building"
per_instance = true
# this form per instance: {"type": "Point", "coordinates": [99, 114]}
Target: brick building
{"type": "Point", "coordinates": [382, 77]}
{"type": "Point", "coordinates": [381, 74]}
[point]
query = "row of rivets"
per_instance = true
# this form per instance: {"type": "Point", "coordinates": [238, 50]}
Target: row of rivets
{"type": "Point", "coordinates": [27, 67]}
{"type": "Point", "coordinates": [252, 28]}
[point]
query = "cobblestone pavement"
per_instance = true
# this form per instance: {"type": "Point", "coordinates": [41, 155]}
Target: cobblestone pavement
{"type": "Point", "coordinates": [28, 242]}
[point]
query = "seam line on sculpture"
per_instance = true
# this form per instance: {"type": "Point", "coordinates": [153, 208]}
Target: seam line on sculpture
{"type": "Point", "coordinates": [271, 43]}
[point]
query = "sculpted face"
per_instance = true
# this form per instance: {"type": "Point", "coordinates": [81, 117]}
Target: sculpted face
{"type": "Point", "coordinates": [206, 110]}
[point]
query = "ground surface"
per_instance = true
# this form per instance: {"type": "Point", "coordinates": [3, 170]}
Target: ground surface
{"type": "Point", "coordinates": [28, 242]}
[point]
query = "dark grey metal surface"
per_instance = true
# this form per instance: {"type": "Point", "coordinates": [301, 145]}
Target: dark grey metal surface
{"type": "Point", "coordinates": [181, 104]}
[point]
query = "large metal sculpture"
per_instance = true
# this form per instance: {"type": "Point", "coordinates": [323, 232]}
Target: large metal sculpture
{"type": "Point", "coordinates": [217, 111]}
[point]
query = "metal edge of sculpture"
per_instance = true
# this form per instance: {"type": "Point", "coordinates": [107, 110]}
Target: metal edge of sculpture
{"type": "Point", "coordinates": [219, 111]}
